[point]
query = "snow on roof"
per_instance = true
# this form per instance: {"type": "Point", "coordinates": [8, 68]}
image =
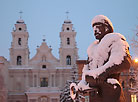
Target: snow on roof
{"type": "Point", "coordinates": [67, 21]}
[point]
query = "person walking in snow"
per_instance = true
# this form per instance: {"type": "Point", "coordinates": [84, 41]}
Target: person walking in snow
{"type": "Point", "coordinates": [108, 56]}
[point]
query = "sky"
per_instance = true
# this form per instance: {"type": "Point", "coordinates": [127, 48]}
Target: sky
{"type": "Point", "coordinates": [45, 17]}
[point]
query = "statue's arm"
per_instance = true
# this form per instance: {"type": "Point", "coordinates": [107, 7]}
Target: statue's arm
{"type": "Point", "coordinates": [119, 60]}
{"type": "Point", "coordinates": [115, 69]}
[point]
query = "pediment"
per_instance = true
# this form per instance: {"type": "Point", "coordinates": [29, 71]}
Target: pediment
{"type": "Point", "coordinates": [44, 53]}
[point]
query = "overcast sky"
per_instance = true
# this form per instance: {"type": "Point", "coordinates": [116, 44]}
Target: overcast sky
{"type": "Point", "coordinates": [45, 17]}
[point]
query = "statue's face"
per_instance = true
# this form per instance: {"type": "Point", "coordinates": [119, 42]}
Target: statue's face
{"type": "Point", "coordinates": [99, 31]}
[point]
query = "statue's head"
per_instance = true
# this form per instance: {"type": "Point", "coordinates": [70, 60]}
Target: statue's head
{"type": "Point", "coordinates": [101, 26]}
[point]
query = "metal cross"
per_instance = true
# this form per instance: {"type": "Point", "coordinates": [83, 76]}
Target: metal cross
{"type": "Point", "coordinates": [44, 38]}
{"type": "Point", "coordinates": [20, 14]}
{"type": "Point", "coordinates": [67, 12]}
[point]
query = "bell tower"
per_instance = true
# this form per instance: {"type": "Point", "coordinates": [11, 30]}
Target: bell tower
{"type": "Point", "coordinates": [68, 51]}
{"type": "Point", "coordinates": [19, 51]}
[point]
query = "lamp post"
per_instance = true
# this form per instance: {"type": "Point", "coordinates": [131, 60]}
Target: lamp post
{"type": "Point", "coordinates": [136, 60]}
{"type": "Point", "coordinates": [133, 81]}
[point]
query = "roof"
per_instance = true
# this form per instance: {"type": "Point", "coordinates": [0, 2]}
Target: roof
{"type": "Point", "coordinates": [20, 21]}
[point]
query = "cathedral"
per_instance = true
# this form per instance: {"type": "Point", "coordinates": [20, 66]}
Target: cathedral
{"type": "Point", "coordinates": [41, 78]}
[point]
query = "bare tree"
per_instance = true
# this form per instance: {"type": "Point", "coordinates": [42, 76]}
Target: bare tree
{"type": "Point", "coordinates": [134, 41]}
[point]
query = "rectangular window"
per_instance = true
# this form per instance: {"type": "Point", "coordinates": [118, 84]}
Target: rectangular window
{"type": "Point", "coordinates": [35, 80]}
{"type": "Point", "coordinates": [52, 80]}
{"type": "Point", "coordinates": [44, 66]}
{"type": "Point", "coordinates": [44, 82]}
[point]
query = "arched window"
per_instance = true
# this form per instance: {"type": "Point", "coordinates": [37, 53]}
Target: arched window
{"type": "Point", "coordinates": [68, 41]}
{"type": "Point", "coordinates": [44, 82]}
{"type": "Point", "coordinates": [19, 60]}
{"type": "Point", "coordinates": [43, 58]}
{"type": "Point", "coordinates": [19, 41]}
{"type": "Point", "coordinates": [68, 60]}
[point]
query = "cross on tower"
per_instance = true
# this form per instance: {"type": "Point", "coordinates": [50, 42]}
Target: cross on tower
{"type": "Point", "coordinates": [44, 38]}
{"type": "Point", "coordinates": [67, 12]}
{"type": "Point", "coordinates": [20, 14]}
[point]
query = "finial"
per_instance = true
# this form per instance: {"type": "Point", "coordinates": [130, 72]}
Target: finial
{"type": "Point", "coordinates": [67, 12]}
{"type": "Point", "coordinates": [20, 14]}
{"type": "Point", "coordinates": [44, 38]}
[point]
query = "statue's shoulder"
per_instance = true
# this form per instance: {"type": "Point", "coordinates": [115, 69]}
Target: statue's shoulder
{"type": "Point", "coordinates": [113, 36]}
{"type": "Point", "coordinates": [92, 47]}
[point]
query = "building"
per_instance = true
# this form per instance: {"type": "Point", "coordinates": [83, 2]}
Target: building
{"type": "Point", "coordinates": [40, 78]}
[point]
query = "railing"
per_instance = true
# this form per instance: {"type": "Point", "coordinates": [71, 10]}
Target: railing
{"type": "Point", "coordinates": [20, 67]}
{"type": "Point", "coordinates": [43, 89]}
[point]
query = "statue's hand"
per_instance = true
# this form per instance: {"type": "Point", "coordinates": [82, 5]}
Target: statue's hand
{"type": "Point", "coordinates": [94, 82]}
{"type": "Point", "coordinates": [90, 80]}
{"type": "Point", "coordinates": [73, 90]}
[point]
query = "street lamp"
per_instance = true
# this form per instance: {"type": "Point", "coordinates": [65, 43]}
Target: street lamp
{"type": "Point", "coordinates": [133, 82]}
{"type": "Point", "coordinates": [136, 60]}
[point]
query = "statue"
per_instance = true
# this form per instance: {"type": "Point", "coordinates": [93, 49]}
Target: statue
{"type": "Point", "coordinates": [108, 56]}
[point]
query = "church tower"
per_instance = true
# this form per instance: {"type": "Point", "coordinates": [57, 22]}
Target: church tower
{"type": "Point", "coordinates": [68, 51]}
{"type": "Point", "coordinates": [19, 51]}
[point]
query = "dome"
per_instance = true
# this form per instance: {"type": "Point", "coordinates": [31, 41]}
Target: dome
{"type": "Point", "coordinates": [67, 21]}
{"type": "Point", "coordinates": [20, 21]}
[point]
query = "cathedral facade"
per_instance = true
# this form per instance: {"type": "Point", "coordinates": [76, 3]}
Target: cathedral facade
{"type": "Point", "coordinates": [41, 78]}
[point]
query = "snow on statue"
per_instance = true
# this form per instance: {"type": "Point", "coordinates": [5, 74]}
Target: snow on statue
{"type": "Point", "coordinates": [108, 56]}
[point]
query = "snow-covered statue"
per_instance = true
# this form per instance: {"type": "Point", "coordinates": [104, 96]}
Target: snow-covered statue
{"type": "Point", "coordinates": [108, 56]}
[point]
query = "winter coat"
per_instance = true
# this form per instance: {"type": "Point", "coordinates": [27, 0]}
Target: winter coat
{"type": "Point", "coordinates": [109, 56]}
{"type": "Point", "coordinates": [106, 60]}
